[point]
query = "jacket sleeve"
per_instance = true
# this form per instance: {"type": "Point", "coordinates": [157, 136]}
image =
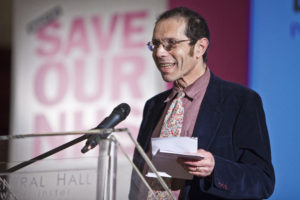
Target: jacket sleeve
{"type": "Point", "coordinates": [249, 174]}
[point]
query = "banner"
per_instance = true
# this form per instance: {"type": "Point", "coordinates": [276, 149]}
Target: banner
{"type": "Point", "coordinates": [75, 61]}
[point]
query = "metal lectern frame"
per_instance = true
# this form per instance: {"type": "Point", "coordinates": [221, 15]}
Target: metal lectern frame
{"type": "Point", "coordinates": [106, 181]}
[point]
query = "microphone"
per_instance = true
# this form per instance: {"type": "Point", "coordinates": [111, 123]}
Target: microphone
{"type": "Point", "coordinates": [118, 114]}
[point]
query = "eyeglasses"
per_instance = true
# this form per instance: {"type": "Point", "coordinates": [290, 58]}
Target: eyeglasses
{"type": "Point", "coordinates": [168, 44]}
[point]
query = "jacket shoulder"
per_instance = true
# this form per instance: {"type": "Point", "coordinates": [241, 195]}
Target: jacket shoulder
{"type": "Point", "coordinates": [233, 89]}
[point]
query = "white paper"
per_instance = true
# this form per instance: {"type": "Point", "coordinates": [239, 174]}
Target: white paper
{"type": "Point", "coordinates": [175, 144]}
{"type": "Point", "coordinates": [165, 152]}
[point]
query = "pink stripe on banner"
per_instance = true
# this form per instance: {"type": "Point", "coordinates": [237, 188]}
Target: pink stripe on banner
{"type": "Point", "coordinates": [229, 35]}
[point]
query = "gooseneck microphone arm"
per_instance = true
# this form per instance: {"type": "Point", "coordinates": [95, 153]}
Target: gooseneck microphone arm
{"type": "Point", "coordinates": [47, 154]}
{"type": "Point", "coordinates": [118, 114]}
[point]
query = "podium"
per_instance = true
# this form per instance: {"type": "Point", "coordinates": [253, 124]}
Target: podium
{"type": "Point", "coordinates": [64, 173]}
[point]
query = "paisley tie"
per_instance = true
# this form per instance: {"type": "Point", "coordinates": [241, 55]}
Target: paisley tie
{"type": "Point", "coordinates": [171, 128]}
{"type": "Point", "coordinates": [174, 118]}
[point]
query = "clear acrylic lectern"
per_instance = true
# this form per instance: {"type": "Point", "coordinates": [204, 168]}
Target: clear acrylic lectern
{"type": "Point", "coordinates": [103, 173]}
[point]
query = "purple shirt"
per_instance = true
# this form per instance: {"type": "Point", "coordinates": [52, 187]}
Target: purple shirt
{"type": "Point", "coordinates": [194, 94]}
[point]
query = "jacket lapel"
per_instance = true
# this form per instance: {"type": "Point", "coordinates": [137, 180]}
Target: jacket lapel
{"type": "Point", "coordinates": [156, 108]}
{"type": "Point", "coordinates": [208, 120]}
{"type": "Point", "coordinates": [210, 115]}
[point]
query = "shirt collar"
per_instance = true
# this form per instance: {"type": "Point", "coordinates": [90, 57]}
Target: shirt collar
{"type": "Point", "coordinates": [192, 90]}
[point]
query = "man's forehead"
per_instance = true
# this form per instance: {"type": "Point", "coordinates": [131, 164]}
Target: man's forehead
{"type": "Point", "coordinates": [171, 20]}
{"type": "Point", "coordinates": [169, 28]}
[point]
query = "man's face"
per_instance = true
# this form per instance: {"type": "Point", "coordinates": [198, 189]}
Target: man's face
{"type": "Point", "coordinates": [178, 63]}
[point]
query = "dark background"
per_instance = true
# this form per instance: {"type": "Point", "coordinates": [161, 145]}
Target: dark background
{"type": "Point", "coordinates": [5, 71]}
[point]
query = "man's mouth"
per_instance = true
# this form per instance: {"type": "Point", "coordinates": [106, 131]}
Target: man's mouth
{"type": "Point", "coordinates": [167, 64]}
{"type": "Point", "coordinates": [164, 67]}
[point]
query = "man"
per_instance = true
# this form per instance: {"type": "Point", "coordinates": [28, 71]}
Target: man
{"type": "Point", "coordinates": [227, 118]}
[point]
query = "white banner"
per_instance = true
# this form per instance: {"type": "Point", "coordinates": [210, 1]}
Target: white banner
{"type": "Point", "coordinates": [74, 61]}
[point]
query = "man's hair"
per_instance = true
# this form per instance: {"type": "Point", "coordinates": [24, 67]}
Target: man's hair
{"type": "Point", "coordinates": [196, 26]}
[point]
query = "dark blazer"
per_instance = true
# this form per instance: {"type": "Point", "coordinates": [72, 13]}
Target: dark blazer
{"type": "Point", "coordinates": [231, 125]}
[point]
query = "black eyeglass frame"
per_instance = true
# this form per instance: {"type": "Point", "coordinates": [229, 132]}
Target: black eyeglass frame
{"type": "Point", "coordinates": [167, 44]}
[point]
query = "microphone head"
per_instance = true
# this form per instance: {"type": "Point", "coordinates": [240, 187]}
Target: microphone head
{"type": "Point", "coordinates": [122, 110]}
{"type": "Point", "coordinates": [117, 115]}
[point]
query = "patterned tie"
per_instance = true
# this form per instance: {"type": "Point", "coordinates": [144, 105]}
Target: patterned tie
{"type": "Point", "coordinates": [174, 118]}
{"type": "Point", "coordinates": [171, 128]}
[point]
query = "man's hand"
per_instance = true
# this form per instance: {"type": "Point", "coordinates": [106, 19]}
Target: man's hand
{"type": "Point", "coordinates": [201, 168]}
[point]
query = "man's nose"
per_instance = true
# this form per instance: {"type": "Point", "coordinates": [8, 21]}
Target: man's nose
{"type": "Point", "coordinates": [160, 51]}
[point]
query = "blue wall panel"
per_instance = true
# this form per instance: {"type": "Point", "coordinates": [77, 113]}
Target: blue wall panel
{"type": "Point", "coordinates": [275, 73]}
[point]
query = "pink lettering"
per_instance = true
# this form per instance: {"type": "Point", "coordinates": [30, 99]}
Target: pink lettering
{"type": "Point", "coordinates": [41, 125]}
{"type": "Point", "coordinates": [50, 43]}
{"type": "Point", "coordinates": [131, 31]}
{"type": "Point", "coordinates": [78, 125]}
{"type": "Point", "coordinates": [77, 37]}
{"type": "Point", "coordinates": [127, 70]}
{"type": "Point", "coordinates": [40, 83]}
{"type": "Point", "coordinates": [80, 81]}
{"type": "Point", "coordinates": [104, 40]}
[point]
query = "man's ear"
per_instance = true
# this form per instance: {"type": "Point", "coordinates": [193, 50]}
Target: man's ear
{"type": "Point", "coordinates": [200, 47]}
